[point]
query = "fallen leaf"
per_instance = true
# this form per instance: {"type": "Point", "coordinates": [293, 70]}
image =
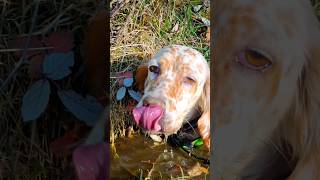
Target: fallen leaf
{"type": "Point", "coordinates": [57, 65]}
{"type": "Point", "coordinates": [175, 28]}
{"type": "Point", "coordinates": [121, 93]}
{"type": "Point", "coordinates": [197, 170]}
{"type": "Point", "coordinates": [64, 145]}
{"type": "Point", "coordinates": [127, 82]}
{"type": "Point", "coordinates": [197, 8]}
{"type": "Point", "coordinates": [60, 41]}
{"type": "Point", "coordinates": [122, 75]}
{"type": "Point", "coordinates": [205, 21]}
{"type": "Point", "coordinates": [135, 95]}
{"type": "Point", "coordinates": [156, 137]}
{"type": "Point", "coordinates": [86, 109]}
{"type": "Point", "coordinates": [35, 100]}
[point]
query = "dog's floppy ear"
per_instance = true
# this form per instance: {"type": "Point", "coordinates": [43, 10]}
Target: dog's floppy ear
{"type": "Point", "coordinates": [306, 141]}
{"type": "Point", "coordinates": [308, 107]}
{"type": "Point", "coordinates": [141, 76]}
{"type": "Point", "coordinates": [204, 120]}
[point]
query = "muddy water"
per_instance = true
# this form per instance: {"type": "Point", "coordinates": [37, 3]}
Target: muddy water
{"type": "Point", "coordinates": [139, 156]}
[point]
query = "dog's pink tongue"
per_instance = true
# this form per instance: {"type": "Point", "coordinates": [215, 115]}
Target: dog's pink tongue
{"type": "Point", "coordinates": [148, 117]}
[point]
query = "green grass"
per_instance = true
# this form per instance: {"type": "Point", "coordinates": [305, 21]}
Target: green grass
{"type": "Point", "coordinates": [140, 28]}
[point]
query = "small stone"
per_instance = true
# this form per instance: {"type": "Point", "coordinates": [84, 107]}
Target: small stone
{"type": "Point", "coordinates": [156, 138]}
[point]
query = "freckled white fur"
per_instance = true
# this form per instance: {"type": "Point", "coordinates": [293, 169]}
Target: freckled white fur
{"type": "Point", "coordinates": [245, 118]}
{"type": "Point", "coordinates": [173, 119]}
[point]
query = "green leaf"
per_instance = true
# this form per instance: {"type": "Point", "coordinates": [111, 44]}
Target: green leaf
{"type": "Point", "coordinates": [135, 95]}
{"type": "Point", "coordinates": [120, 93]}
{"type": "Point", "coordinates": [127, 82]}
{"type": "Point", "coordinates": [35, 100]}
{"type": "Point", "coordinates": [197, 142]}
{"type": "Point", "coordinates": [57, 65]}
{"type": "Point", "coordinates": [86, 109]}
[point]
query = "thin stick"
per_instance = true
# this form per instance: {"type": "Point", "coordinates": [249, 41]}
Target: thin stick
{"type": "Point", "coordinates": [28, 49]}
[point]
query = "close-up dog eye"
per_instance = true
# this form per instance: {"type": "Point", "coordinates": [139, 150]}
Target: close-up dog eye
{"type": "Point", "coordinates": [254, 59]}
{"type": "Point", "coordinates": [154, 69]}
{"type": "Point", "coordinates": [189, 80]}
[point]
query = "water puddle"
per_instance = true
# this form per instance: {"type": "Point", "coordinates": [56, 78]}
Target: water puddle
{"type": "Point", "coordinates": [140, 157]}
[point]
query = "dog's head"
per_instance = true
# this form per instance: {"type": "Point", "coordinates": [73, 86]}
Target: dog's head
{"type": "Point", "coordinates": [261, 54]}
{"type": "Point", "coordinates": [174, 89]}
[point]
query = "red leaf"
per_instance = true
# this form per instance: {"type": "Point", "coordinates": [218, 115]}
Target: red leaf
{"type": "Point", "coordinates": [90, 161]}
{"type": "Point", "coordinates": [35, 66]}
{"type": "Point", "coordinates": [63, 146]}
{"type": "Point", "coordinates": [60, 41]}
{"type": "Point", "coordinates": [20, 42]}
{"type": "Point", "coordinates": [121, 75]}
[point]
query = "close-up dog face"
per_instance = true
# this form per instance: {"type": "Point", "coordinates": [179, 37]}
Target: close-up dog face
{"type": "Point", "coordinates": [260, 53]}
{"type": "Point", "coordinates": [174, 89]}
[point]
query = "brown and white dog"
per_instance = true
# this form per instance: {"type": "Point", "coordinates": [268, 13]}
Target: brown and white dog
{"type": "Point", "coordinates": [176, 89]}
{"type": "Point", "coordinates": [266, 92]}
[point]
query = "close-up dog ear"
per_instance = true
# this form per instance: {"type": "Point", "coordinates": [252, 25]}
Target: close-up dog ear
{"type": "Point", "coordinates": [309, 110]}
{"type": "Point", "coordinates": [204, 120]}
{"type": "Point", "coordinates": [141, 76]}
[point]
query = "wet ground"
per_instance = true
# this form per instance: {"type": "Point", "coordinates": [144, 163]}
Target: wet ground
{"type": "Point", "coordinates": [141, 158]}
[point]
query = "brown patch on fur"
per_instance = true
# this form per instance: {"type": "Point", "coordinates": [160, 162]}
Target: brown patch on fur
{"type": "Point", "coordinates": [141, 75]}
{"type": "Point", "coordinates": [175, 83]}
{"type": "Point", "coordinates": [301, 127]}
{"type": "Point", "coordinates": [174, 91]}
{"type": "Point", "coordinates": [164, 64]}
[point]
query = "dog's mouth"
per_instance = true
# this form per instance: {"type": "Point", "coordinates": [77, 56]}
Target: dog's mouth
{"type": "Point", "coordinates": [149, 117]}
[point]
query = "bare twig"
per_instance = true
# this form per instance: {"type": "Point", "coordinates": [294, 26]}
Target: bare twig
{"type": "Point", "coordinates": [22, 59]}
{"type": "Point", "coordinates": [56, 20]}
{"type": "Point", "coordinates": [29, 49]}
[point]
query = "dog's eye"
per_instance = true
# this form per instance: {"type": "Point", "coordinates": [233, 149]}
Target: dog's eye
{"type": "Point", "coordinates": [154, 69]}
{"type": "Point", "coordinates": [189, 80]}
{"type": "Point", "coordinates": [254, 59]}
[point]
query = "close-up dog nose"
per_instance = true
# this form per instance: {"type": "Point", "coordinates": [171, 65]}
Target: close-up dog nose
{"type": "Point", "coordinates": [146, 102]}
{"type": "Point", "coordinates": [152, 101]}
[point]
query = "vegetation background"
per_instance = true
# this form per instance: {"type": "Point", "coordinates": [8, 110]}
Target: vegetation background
{"type": "Point", "coordinates": [41, 148]}
{"type": "Point", "coordinates": [139, 29]}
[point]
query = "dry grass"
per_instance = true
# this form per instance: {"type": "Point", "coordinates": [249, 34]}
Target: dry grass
{"type": "Point", "coordinates": [24, 147]}
{"type": "Point", "coordinates": [140, 28]}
